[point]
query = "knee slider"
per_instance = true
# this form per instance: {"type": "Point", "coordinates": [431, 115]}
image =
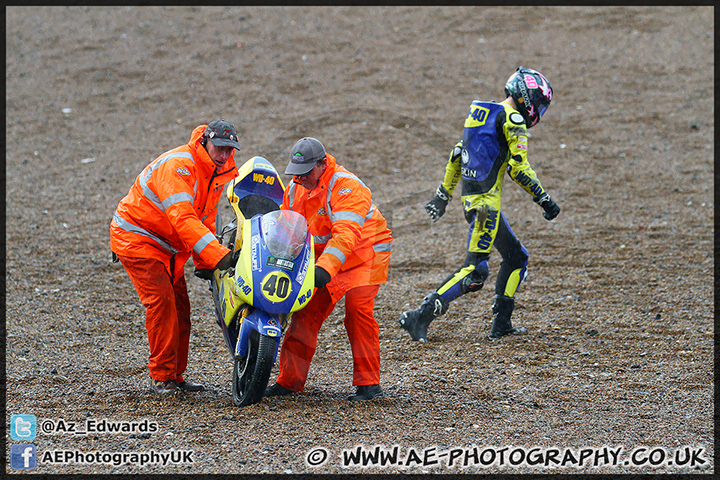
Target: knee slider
{"type": "Point", "coordinates": [475, 279]}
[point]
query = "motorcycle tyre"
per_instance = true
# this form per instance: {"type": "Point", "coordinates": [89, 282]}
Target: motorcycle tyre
{"type": "Point", "coordinates": [252, 372]}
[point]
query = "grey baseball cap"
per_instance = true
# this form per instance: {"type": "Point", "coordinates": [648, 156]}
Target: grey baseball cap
{"type": "Point", "coordinates": [222, 134]}
{"type": "Point", "coordinates": [304, 155]}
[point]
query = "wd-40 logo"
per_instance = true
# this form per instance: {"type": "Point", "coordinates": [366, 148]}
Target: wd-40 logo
{"type": "Point", "coordinates": [260, 178]}
{"type": "Point", "coordinates": [242, 285]}
{"type": "Point", "coordinates": [490, 225]}
{"type": "Point", "coordinates": [304, 297]}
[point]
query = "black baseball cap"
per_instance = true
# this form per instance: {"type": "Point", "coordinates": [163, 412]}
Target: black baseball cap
{"type": "Point", "coordinates": [222, 134]}
{"type": "Point", "coordinates": [304, 155]}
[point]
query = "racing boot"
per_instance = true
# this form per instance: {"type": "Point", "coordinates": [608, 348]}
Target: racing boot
{"type": "Point", "coordinates": [416, 321]}
{"type": "Point", "coordinates": [502, 310]}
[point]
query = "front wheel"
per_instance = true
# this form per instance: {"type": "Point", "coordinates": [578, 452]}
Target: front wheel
{"type": "Point", "coordinates": [252, 372]}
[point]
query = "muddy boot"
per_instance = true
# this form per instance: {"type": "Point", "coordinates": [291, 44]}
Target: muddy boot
{"type": "Point", "coordinates": [416, 321]}
{"type": "Point", "coordinates": [502, 310]}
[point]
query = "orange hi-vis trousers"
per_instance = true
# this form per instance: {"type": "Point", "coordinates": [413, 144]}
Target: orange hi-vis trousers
{"type": "Point", "coordinates": [167, 316]}
{"type": "Point", "coordinates": [300, 341]}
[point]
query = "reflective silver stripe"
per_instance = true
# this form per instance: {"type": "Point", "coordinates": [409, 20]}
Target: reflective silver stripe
{"type": "Point", "coordinates": [321, 240]}
{"type": "Point", "coordinates": [342, 215]}
{"type": "Point", "coordinates": [130, 227]}
{"type": "Point", "coordinates": [177, 198]}
{"type": "Point", "coordinates": [203, 242]}
{"type": "Point", "coordinates": [350, 216]}
{"type": "Point", "coordinates": [145, 176]}
{"type": "Point", "coordinates": [291, 194]}
{"type": "Point", "coordinates": [383, 247]}
{"type": "Point", "coordinates": [336, 252]}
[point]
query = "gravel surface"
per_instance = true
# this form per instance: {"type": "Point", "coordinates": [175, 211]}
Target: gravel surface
{"type": "Point", "coordinates": [618, 302]}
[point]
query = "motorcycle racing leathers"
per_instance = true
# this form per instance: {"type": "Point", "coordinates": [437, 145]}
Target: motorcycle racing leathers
{"type": "Point", "coordinates": [494, 142]}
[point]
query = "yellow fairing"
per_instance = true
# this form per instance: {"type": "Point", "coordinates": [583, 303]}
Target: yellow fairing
{"type": "Point", "coordinates": [230, 302]}
{"type": "Point", "coordinates": [308, 286]}
{"type": "Point", "coordinates": [243, 285]}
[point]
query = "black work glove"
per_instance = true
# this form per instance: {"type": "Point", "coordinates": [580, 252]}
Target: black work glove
{"type": "Point", "coordinates": [551, 209]}
{"type": "Point", "coordinates": [204, 273]}
{"type": "Point", "coordinates": [436, 207]}
{"type": "Point", "coordinates": [226, 262]}
{"type": "Point", "coordinates": [322, 277]}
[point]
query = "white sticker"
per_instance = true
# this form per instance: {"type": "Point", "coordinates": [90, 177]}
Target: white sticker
{"type": "Point", "coordinates": [516, 118]}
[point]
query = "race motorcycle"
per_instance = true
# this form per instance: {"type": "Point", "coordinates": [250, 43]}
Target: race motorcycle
{"type": "Point", "coordinates": [273, 276]}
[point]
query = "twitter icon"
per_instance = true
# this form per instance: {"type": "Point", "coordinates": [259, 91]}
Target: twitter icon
{"type": "Point", "coordinates": [23, 427]}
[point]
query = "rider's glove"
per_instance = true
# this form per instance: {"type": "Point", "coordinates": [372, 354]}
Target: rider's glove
{"type": "Point", "coordinates": [551, 209]}
{"type": "Point", "coordinates": [226, 262]}
{"type": "Point", "coordinates": [322, 277]}
{"type": "Point", "coordinates": [436, 207]}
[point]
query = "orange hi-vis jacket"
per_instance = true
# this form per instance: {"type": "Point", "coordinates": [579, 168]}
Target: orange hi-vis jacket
{"type": "Point", "coordinates": [171, 209]}
{"type": "Point", "coordinates": [352, 238]}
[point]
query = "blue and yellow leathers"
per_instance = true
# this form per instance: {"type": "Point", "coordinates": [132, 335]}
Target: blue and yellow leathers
{"type": "Point", "coordinates": [494, 141]}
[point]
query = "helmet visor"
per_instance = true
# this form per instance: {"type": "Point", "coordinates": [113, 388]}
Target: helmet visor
{"type": "Point", "coordinates": [541, 110]}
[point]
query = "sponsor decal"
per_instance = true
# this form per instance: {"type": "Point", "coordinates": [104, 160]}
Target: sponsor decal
{"type": "Point", "coordinates": [477, 116]}
{"type": "Point", "coordinates": [304, 297]}
{"type": "Point", "coordinates": [300, 278]}
{"type": "Point", "coordinates": [344, 191]}
{"type": "Point", "coordinates": [322, 212]}
{"type": "Point", "coordinates": [183, 171]}
{"type": "Point", "coordinates": [466, 172]}
{"type": "Point", "coordinates": [260, 178]}
{"type": "Point", "coordinates": [516, 118]}
{"type": "Point", "coordinates": [255, 252]}
{"type": "Point", "coordinates": [280, 263]}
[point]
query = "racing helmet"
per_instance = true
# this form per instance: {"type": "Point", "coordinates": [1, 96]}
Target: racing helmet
{"type": "Point", "coordinates": [531, 92]}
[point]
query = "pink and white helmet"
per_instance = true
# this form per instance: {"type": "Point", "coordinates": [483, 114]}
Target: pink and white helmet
{"type": "Point", "coordinates": [531, 92]}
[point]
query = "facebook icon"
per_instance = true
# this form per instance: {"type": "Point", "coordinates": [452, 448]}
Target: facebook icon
{"type": "Point", "coordinates": [23, 456]}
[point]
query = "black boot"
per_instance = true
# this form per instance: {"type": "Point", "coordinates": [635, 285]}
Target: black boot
{"type": "Point", "coordinates": [366, 392]}
{"type": "Point", "coordinates": [416, 321]}
{"type": "Point", "coordinates": [502, 310]}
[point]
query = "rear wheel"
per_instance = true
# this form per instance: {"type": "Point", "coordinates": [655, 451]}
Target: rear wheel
{"type": "Point", "coordinates": [252, 372]}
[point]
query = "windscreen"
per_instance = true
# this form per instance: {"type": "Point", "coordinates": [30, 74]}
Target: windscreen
{"type": "Point", "coordinates": [284, 232]}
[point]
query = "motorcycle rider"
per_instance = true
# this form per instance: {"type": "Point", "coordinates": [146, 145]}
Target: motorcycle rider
{"type": "Point", "coordinates": [494, 141]}
{"type": "Point", "coordinates": [352, 251]}
{"type": "Point", "coordinates": [168, 216]}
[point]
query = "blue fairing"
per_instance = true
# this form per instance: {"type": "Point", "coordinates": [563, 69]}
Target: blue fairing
{"type": "Point", "coordinates": [294, 271]}
{"type": "Point", "coordinates": [264, 324]}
